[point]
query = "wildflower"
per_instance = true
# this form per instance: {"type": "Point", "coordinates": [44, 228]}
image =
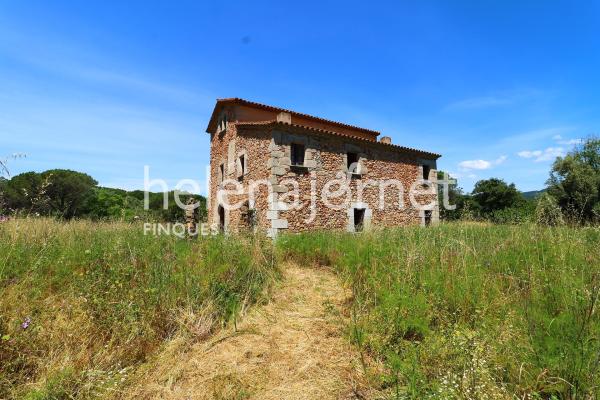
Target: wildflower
{"type": "Point", "coordinates": [26, 323]}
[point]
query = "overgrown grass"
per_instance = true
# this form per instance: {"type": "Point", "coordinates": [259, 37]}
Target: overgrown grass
{"type": "Point", "coordinates": [456, 311]}
{"type": "Point", "coordinates": [83, 304]}
{"type": "Point", "coordinates": [471, 311]}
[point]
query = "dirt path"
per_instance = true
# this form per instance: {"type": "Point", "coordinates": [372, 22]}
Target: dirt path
{"type": "Point", "coordinates": [292, 348]}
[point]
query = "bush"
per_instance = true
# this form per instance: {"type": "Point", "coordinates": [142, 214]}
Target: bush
{"type": "Point", "coordinates": [548, 212]}
{"type": "Point", "coordinates": [513, 215]}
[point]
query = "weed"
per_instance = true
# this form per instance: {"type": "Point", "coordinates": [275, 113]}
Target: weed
{"type": "Point", "coordinates": [471, 310]}
{"type": "Point", "coordinates": [99, 298]}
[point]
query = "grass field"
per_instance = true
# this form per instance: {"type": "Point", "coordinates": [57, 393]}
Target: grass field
{"type": "Point", "coordinates": [459, 311]}
{"type": "Point", "coordinates": [83, 304]}
{"type": "Point", "coordinates": [471, 311]}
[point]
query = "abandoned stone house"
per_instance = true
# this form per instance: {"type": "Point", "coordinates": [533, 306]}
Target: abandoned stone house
{"type": "Point", "coordinates": [252, 142]}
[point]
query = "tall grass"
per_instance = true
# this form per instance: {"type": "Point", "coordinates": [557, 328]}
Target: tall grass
{"type": "Point", "coordinates": [471, 311]}
{"type": "Point", "coordinates": [82, 304]}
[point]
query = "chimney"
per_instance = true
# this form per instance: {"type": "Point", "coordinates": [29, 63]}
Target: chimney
{"type": "Point", "coordinates": [386, 140]}
{"type": "Point", "coordinates": [284, 117]}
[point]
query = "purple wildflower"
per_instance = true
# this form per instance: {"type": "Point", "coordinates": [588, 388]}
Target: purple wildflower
{"type": "Point", "coordinates": [26, 323]}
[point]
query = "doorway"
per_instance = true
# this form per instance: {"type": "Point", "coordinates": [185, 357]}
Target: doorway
{"type": "Point", "coordinates": [221, 219]}
{"type": "Point", "coordinates": [359, 219]}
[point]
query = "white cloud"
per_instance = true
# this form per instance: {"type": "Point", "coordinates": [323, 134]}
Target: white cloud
{"type": "Point", "coordinates": [550, 154]}
{"type": "Point", "coordinates": [567, 142]}
{"type": "Point", "coordinates": [542, 155]}
{"type": "Point", "coordinates": [475, 164]}
{"type": "Point", "coordinates": [570, 142]}
{"type": "Point", "coordinates": [529, 154]}
{"type": "Point", "coordinates": [500, 160]}
{"type": "Point", "coordinates": [481, 164]}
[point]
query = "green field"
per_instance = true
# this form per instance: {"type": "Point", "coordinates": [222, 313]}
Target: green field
{"type": "Point", "coordinates": [102, 298]}
{"type": "Point", "coordinates": [472, 311]}
{"type": "Point", "coordinates": [459, 311]}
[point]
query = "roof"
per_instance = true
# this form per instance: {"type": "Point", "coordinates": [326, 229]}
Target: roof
{"type": "Point", "coordinates": [275, 123]}
{"type": "Point", "coordinates": [236, 100]}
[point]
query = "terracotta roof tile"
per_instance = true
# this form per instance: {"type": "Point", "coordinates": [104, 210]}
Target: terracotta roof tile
{"type": "Point", "coordinates": [325, 131]}
{"type": "Point", "coordinates": [237, 100]}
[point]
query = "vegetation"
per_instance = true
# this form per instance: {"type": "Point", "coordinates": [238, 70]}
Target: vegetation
{"type": "Point", "coordinates": [573, 187]}
{"type": "Point", "coordinates": [471, 311]}
{"type": "Point", "coordinates": [504, 305]}
{"type": "Point", "coordinates": [575, 182]}
{"type": "Point", "coordinates": [456, 198]}
{"type": "Point", "coordinates": [494, 194]}
{"type": "Point", "coordinates": [84, 303]}
{"type": "Point", "coordinates": [70, 194]}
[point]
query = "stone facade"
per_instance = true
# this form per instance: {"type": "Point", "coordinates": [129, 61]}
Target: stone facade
{"type": "Point", "coordinates": [253, 152]}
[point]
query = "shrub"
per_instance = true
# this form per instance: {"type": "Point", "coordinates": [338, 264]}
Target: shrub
{"type": "Point", "coordinates": [548, 212]}
{"type": "Point", "coordinates": [513, 215]}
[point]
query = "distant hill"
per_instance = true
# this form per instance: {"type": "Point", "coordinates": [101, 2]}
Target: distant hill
{"type": "Point", "coordinates": [533, 194]}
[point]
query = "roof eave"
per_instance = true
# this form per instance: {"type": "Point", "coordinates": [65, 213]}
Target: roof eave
{"type": "Point", "coordinates": [325, 131]}
{"type": "Point", "coordinates": [236, 100]}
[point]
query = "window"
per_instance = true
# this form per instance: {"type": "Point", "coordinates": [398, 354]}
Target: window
{"type": "Point", "coordinates": [297, 154]}
{"type": "Point", "coordinates": [426, 170]}
{"type": "Point", "coordinates": [427, 217]}
{"type": "Point", "coordinates": [222, 124]}
{"type": "Point", "coordinates": [359, 219]}
{"type": "Point", "coordinates": [242, 167]}
{"type": "Point", "coordinates": [352, 162]}
{"type": "Point", "coordinates": [221, 173]}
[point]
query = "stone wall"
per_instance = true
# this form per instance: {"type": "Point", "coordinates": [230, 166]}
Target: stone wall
{"type": "Point", "coordinates": [225, 149]}
{"type": "Point", "coordinates": [326, 161]}
{"type": "Point", "coordinates": [267, 153]}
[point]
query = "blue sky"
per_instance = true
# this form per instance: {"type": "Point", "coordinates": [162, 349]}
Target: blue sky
{"type": "Point", "coordinates": [498, 88]}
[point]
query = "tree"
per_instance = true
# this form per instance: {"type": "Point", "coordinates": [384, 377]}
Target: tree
{"type": "Point", "coordinates": [494, 194]}
{"type": "Point", "coordinates": [22, 191]}
{"type": "Point", "coordinates": [68, 191]}
{"type": "Point", "coordinates": [575, 181]}
{"type": "Point", "coordinates": [455, 198]}
{"type": "Point", "coordinates": [105, 203]}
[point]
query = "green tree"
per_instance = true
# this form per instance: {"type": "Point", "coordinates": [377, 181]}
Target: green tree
{"type": "Point", "coordinates": [455, 196]}
{"type": "Point", "coordinates": [575, 182]}
{"type": "Point", "coordinates": [494, 194]}
{"type": "Point", "coordinates": [68, 191]}
{"type": "Point", "coordinates": [22, 191]}
{"type": "Point", "coordinates": [105, 203]}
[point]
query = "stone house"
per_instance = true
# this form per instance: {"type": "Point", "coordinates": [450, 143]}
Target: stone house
{"type": "Point", "coordinates": [278, 170]}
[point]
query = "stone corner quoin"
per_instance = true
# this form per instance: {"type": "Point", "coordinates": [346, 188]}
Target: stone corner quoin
{"type": "Point", "coordinates": [263, 148]}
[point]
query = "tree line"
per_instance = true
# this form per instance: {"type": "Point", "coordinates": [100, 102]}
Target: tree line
{"type": "Point", "coordinates": [70, 194]}
{"type": "Point", "coordinates": [572, 194]}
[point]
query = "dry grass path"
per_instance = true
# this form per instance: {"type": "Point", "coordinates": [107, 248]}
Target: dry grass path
{"type": "Point", "coordinates": [291, 348]}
